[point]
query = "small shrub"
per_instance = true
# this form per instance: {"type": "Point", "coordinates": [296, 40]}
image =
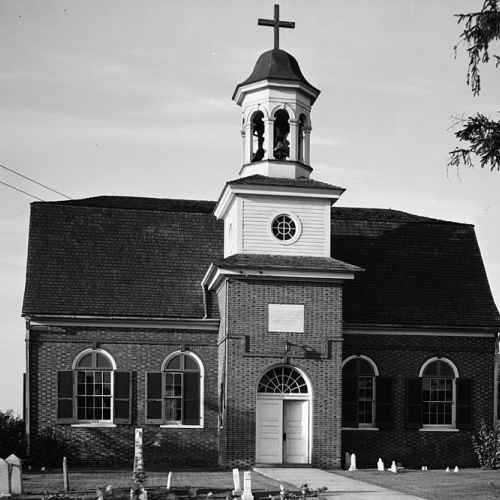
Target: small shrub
{"type": "Point", "coordinates": [486, 446]}
{"type": "Point", "coordinates": [12, 435]}
{"type": "Point", "coordinates": [49, 448]}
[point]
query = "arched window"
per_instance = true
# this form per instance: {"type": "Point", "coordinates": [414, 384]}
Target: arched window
{"type": "Point", "coordinates": [94, 386]}
{"type": "Point", "coordinates": [175, 395]}
{"type": "Point", "coordinates": [358, 395]}
{"type": "Point", "coordinates": [257, 136]}
{"type": "Point", "coordinates": [94, 391]}
{"type": "Point", "coordinates": [438, 392]}
{"type": "Point", "coordinates": [283, 380]}
{"type": "Point", "coordinates": [301, 137]}
{"type": "Point", "coordinates": [281, 149]}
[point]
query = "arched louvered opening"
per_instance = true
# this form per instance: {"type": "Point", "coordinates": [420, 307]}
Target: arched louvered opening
{"type": "Point", "coordinates": [281, 149]}
{"type": "Point", "coordinates": [257, 136]}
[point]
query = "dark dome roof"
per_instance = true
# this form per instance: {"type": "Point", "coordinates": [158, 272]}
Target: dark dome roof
{"type": "Point", "coordinates": [276, 64]}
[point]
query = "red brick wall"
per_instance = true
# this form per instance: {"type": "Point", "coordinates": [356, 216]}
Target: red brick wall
{"type": "Point", "coordinates": [247, 302]}
{"type": "Point", "coordinates": [400, 357]}
{"type": "Point", "coordinates": [134, 350]}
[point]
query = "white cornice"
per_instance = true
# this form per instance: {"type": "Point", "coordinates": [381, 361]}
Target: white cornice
{"type": "Point", "coordinates": [124, 321]}
{"type": "Point", "coordinates": [231, 190]}
{"type": "Point", "coordinates": [215, 275]}
{"type": "Point", "coordinates": [416, 330]}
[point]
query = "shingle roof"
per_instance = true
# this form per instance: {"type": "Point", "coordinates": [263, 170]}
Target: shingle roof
{"type": "Point", "coordinates": [263, 180]}
{"type": "Point", "coordinates": [146, 257]}
{"type": "Point", "coordinates": [276, 64]}
{"type": "Point", "coordinates": [299, 263]}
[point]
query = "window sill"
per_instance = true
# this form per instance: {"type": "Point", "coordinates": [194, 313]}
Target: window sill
{"type": "Point", "coordinates": [94, 425]}
{"type": "Point", "coordinates": [180, 426]}
{"type": "Point", "coordinates": [360, 428]}
{"type": "Point", "coordinates": [438, 429]}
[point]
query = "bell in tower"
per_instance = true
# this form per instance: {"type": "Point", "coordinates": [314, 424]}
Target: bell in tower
{"type": "Point", "coordinates": [276, 100]}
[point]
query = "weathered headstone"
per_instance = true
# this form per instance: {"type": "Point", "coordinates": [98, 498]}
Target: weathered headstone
{"type": "Point", "coordinates": [4, 478]}
{"type": "Point", "coordinates": [352, 467]}
{"type": "Point", "coordinates": [247, 486]}
{"type": "Point", "coordinates": [380, 465]}
{"type": "Point", "coordinates": [236, 481]}
{"type": "Point", "coordinates": [424, 467]}
{"type": "Point", "coordinates": [16, 474]}
{"type": "Point", "coordinates": [455, 469]}
{"type": "Point", "coordinates": [447, 469]}
{"type": "Point", "coordinates": [393, 467]}
{"type": "Point", "coordinates": [138, 492]}
{"type": "Point", "coordinates": [347, 460]}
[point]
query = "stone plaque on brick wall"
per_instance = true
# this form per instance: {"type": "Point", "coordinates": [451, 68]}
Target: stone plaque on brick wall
{"type": "Point", "coordinates": [286, 318]}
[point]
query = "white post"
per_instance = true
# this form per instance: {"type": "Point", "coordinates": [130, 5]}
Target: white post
{"type": "Point", "coordinates": [447, 469]}
{"type": "Point", "coordinates": [139, 474]}
{"type": "Point", "coordinates": [236, 481]}
{"type": "Point", "coordinates": [247, 486]}
{"type": "Point", "coordinates": [65, 474]}
{"type": "Point", "coordinates": [380, 465]}
{"type": "Point", "coordinates": [16, 474]}
{"type": "Point", "coordinates": [269, 139]}
{"type": "Point", "coordinates": [169, 480]}
{"type": "Point", "coordinates": [352, 467]}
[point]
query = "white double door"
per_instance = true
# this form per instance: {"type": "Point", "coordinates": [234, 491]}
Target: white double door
{"type": "Point", "coordinates": [282, 431]}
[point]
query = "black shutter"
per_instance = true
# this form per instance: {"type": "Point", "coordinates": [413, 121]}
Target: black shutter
{"type": "Point", "coordinates": [384, 417]}
{"type": "Point", "coordinates": [154, 397]}
{"type": "Point", "coordinates": [349, 402]}
{"type": "Point", "coordinates": [123, 397]}
{"type": "Point", "coordinates": [191, 400]}
{"type": "Point", "coordinates": [413, 403]}
{"type": "Point", "coordinates": [464, 403]}
{"type": "Point", "coordinates": [65, 404]}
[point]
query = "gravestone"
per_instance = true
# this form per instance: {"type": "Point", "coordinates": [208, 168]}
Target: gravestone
{"type": "Point", "coordinates": [16, 474]}
{"type": "Point", "coordinates": [4, 478]}
{"type": "Point", "coordinates": [447, 469]}
{"type": "Point", "coordinates": [139, 492]}
{"type": "Point", "coordinates": [236, 481]}
{"type": "Point", "coordinates": [455, 469]}
{"type": "Point", "coordinates": [169, 480]}
{"type": "Point", "coordinates": [380, 465]}
{"type": "Point", "coordinates": [247, 486]}
{"type": "Point", "coordinates": [393, 467]}
{"type": "Point", "coordinates": [65, 474]}
{"type": "Point", "coordinates": [352, 467]}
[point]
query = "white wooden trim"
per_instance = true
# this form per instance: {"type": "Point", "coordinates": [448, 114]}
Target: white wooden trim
{"type": "Point", "coordinates": [89, 350]}
{"type": "Point", "coordinates": [366, 358]}
{"type": "Point", "coordinates": [435, 358]}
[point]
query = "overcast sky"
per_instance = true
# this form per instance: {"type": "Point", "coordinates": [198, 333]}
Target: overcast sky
{"type": "Point", "coordinates": [134, 98]}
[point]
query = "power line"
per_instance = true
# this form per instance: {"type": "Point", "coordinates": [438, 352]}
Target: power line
{"type": "Point", "coordinates": [21, 191]}
{"type": "Point", "coordinates": [33, 180]}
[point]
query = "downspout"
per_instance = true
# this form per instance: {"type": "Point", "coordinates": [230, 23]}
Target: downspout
{"type": "Point", "coordinates": [27, 391]}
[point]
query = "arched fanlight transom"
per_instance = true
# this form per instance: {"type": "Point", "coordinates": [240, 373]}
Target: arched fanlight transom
{"type": "Point", "coordinates": [283, 380]}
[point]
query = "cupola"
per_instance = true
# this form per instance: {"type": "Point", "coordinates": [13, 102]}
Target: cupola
{"type": "Point", "coordinates": [276, 101]}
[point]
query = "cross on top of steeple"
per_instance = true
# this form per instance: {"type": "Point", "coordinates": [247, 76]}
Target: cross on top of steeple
{"type": "Point", "coordinates": [276, 24]}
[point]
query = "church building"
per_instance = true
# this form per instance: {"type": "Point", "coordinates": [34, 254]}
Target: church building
{"type": "Point", "coordinates": [271, 326]}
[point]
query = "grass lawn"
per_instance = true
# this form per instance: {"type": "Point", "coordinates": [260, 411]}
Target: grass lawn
{"type": "Point", "coordinates": [86, 481]}
{"type": "Point", "coordinates": [436, 484]}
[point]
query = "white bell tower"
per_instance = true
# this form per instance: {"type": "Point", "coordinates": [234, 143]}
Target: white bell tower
{"type": "Point", "coordinates": [276, 101]}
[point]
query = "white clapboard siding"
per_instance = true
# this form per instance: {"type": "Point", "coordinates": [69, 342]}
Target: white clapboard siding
{"type": "Point", "coordinates": [314, 216]}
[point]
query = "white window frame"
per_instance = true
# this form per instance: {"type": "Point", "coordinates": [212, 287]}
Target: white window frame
{"type": "Point", "coordinates": [88, 422]}
{"type": "Point", "coordinates": [298, 226]}
{"type": "Point", "coordinates": [372, 425]}
{"type": "Point", "coordinates": [202, 390]}
{"type": "Point", "coordinates": [453, 425]}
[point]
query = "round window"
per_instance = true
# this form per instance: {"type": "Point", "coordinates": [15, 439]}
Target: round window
{"type": "Point", "coordinates": [284, 227]}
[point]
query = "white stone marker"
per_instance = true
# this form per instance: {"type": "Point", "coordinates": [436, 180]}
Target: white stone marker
{"type": "Point", "coordinates": [447, 469]}
{"type": "Point", "coordinates": [352, 467]}
{"type": "Point", "coordinates": [380, 465]}
{"type": "Point", "coordinates": [16, 474]}
{"type": "Point", "coordinates": [65, 474]}
{"type": "Point", "coordinates": [4, 478]}
{"type": "Point", "coordinates": [169, 480]}
{"type": "Point", "coordinates": [247, 486]}
{"type": "Point", "coordinates": [424, 467]}
{"type": "Point", "coordinates": [455, 469]}
{"type": "Point", "coordinates": [237, 484]}
{"type": "Point", "coordinates": [139, 474]}
{"type": "Point", "coordinates": [393, 467]}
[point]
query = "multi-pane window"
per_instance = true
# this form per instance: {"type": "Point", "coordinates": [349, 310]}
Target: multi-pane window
{"type": "Point", "coordinates": [174, 395]}
{"type": "Point", "coordinates": [438, 387]}
{"type": "Point", "coordinates": [358, 397]}
{"type": "Point", "coordinates": [94, 387]}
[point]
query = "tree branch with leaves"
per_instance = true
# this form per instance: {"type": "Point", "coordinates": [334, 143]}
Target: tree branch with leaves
{"type": "Point", "coordinates": [479, 135]}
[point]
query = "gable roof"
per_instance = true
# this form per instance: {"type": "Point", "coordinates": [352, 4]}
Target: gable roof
{"type": "Point", "coordinates": [123, 256]}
